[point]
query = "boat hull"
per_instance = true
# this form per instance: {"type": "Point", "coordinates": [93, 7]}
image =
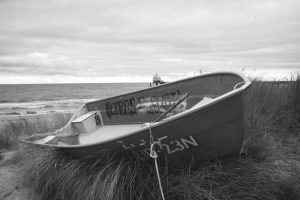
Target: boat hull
{"type": "Point", "coordinates": [213, 129]}
{"type": "Point", "coordinates": [212, 132]}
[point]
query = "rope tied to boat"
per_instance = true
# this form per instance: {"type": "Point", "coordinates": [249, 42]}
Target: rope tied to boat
{"type": "Point", "coordinates": [154, 155]}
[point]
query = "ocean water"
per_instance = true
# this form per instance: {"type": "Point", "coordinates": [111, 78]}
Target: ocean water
{"type": "Point", "coordinates": [46, 98]}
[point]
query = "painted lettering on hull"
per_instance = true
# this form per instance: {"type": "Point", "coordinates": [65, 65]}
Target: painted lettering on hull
{"type": "Point", "coordinates": [169, 147]}
{"type": "Point", "coordinates": [125, 107]}
{"type": "Point", "coordinates": [144, 105]}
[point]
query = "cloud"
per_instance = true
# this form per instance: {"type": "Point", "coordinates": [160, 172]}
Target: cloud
{"type": "Point", "coordinates": [82, 39]}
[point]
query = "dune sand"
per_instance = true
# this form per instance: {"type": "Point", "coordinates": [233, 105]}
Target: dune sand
{"type": "Point", "coordinates": [10, 187]}
{"type": "Point", "coordinates": [11, 129]}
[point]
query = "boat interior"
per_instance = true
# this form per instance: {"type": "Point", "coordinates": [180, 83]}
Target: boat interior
{"type": "Point", "coordinates": [111, 118]}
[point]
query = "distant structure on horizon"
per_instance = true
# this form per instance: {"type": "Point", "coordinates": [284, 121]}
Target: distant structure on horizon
{"type": "Point", "coordinates": [157, 79]}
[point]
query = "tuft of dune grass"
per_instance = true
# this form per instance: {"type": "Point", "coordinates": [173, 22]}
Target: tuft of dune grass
{"type": "Point", "coordinates": [54, 175]}
{"type": "Point", "coordinates": [267, 169]}
{"type": "Point", "coordinates": [14, 127]}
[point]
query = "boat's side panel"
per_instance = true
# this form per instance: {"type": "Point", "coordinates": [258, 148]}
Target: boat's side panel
{"type": "Point", "coordinates": [214, 131]}
{"type": "Point", "coordinates": [147, 105]}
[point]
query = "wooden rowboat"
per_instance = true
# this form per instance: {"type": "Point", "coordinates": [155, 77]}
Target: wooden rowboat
{"type": "Point", "coordinates": [199, 117]}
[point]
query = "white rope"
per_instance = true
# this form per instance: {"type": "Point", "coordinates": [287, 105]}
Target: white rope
{"type": "Point", "coordinates": [154, 155]}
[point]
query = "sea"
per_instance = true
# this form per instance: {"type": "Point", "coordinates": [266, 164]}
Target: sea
{"type": "Point", "coordinates": [29, 99]}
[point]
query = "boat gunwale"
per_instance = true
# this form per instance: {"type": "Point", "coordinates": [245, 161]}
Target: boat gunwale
{"type": "Point", "coordinates": [179, 116]}
{"type": "Point", "coordinates": [246, 80]}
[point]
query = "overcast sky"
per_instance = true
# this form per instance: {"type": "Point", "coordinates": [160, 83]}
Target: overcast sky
{"type": "Point", "coordinates": [53, 41]}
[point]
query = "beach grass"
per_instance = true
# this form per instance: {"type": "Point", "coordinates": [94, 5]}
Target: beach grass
{"type": "Point", "coordinates": [12, 128]}
{"type": "Point", "coordinates": [52, 175]}
{"type": "Point", "coordinates": [268, 167]}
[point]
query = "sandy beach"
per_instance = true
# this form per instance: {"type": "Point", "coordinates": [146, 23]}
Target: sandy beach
{"type": "Point", "coordinates": [11, 186]}
{"type": "Point", "coordinates": [12, 128]}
